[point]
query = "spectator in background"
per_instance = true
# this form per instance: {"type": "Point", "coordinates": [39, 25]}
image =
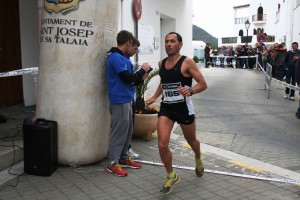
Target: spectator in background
{"type": "Point", "coordinates": [278, 61]}
{"type": "Point", "coordinates": [270, 51]}
{"type": "Point", "coordinates": [230, 53]}
{"type": "Point", "coordinates": [129, 53]}
{"type": "Point", "coordinates": [251, 60]}
{"type": "Point", "coordinates": [270, 58]}
{"type": "Point", "coordinates": [243, 54]}
{"type": "Point", "coordinates": [298, 82]}
{"type": "Point", "coordinates": [120, 80]}
{"type": "Point", "coordinates": [206, 54]}
{"type": "Point", "coordinates": [213, 57]}
{"type": "Point", "coordinates": [264, 57]}
{"type": "Point", "coordinates": [290, 61]}
{"type": "Point", "coordinates": [238, 54]}
{"type": "Point", "coordinates": [222, 53]}
{"type": "Point", "coordinates": [258, 50]}
{"type": "Point", "coordinates": [246, 59]}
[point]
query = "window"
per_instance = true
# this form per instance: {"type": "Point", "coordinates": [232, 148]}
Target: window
{"type": "Point", "coordinates": [254, 32]}
{"type": "Point", "coordinates": [260, 12]}
{"type": "Point", "coordinates": [241, 33]}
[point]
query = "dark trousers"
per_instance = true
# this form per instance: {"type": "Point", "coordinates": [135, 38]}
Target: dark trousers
{"type": "Point", "coordinates": [222, 62]}
{"type": "Point", "coordinates": [273, 71]}
{"type": "Point", "coordinates": [207, 60]}
{"type": "Point", "coordinates": [280, 72]}
{"type": "Point", "coordinates": [290, 79]}
{"type": "Point", "coordinates": [251, 62]}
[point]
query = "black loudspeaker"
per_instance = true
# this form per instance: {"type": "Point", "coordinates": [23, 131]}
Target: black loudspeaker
{"type": "Point", "coordinates": [40, 146]}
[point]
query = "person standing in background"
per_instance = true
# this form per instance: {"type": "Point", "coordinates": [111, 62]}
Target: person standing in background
{"type": "Point", "coordinates": [121, 78]}
{"type": "Point", "coordinates": [298, 83]}
{"type": "Point", "coordinates": [131, 51]}
{"type": "Point", "coordinates": [251, 59]}
{"type": "Point", "coordinates": [207, 54]}
{"type": "Point", "coordinates": [278, 57]}
{"type": "Point", "coordinates": [290, 61]}
{"type": "Point", "coordinates": [264, 57]}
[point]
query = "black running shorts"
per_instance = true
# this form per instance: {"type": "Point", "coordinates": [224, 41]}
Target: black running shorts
{"type": "Point", "coordinates": [179, 117]}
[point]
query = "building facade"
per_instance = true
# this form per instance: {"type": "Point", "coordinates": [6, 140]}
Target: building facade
{"type": "Point", "coordinates": [20, 23]}
{"type": "Point", "coordinates": [270, 22]}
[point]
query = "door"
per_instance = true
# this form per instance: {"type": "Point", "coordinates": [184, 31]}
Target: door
{"type": "Point", "coordinates": [11, 88]}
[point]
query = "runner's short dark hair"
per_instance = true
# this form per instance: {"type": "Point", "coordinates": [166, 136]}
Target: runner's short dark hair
{"type": "Point", "coordinates": [178, 36]}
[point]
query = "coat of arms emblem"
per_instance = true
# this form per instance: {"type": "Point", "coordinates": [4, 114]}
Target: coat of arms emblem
{"type": "Point", "coordinates": [60, 5]}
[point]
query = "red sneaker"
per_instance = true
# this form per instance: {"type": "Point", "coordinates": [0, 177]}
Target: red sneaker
{"type": "Point", "coordinates": [130, 163]}
{"type": "Point", "coordinates": [116, 169]}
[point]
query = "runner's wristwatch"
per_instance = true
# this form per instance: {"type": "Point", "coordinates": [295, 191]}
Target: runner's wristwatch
{"type": "Point", "coordinates": [191, 91]}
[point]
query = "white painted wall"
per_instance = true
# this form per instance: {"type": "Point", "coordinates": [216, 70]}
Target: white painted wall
{"type": "Point", "coordinates": [280, 29]}
{"type": "Point", "coordinates": [176, 16]}
{"type": "Point", "coordinates": [29, 46]}
{"type": "Point", "coordinates": [164, 17]}
{"type": "Point", "coordinates": [269, 9]}
{"type": "Point", "coordinates": [286, 18]}
{"type": "Point", "coordinates": [296, 27]}
{"type": "Point", "coordinates": [286, 29]}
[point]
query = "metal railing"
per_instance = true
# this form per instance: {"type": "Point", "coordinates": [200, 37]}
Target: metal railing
{"type": "Point", "coordinates": [269, 79]}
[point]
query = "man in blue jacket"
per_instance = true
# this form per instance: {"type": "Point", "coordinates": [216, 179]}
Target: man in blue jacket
{"type": "Point", "coordinates": [121, 80]}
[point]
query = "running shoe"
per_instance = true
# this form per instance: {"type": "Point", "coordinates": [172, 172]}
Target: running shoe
{"type": "Point", "coordinates": [132, 154]}
{"type": "Point", "coordinates": [117, 170]}
{"type": "Point", "coordinates": [168, 185]}
{"type": "Point", "coordinates": [199, 169]}
{"type": "Point", "coordinates": [292, 98]}
{"type": "Point", "coordinates": [130, 163]}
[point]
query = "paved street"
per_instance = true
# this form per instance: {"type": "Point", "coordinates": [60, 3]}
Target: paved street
{"type": "Point", "coordinates": [235, 109]}
{"type": "Point", "coordinates": [241, 131]}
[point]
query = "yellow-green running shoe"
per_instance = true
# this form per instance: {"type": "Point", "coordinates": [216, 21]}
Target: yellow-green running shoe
{"type": "Point", "coordinates": [168, 185]}
{"type": "Point", "coordinates": [199, 169]}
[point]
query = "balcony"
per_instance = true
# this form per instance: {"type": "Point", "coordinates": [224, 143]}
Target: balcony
{"type": "Point", "coordinates": [259, 19]}
{"type": "Point", "coordinates": [265, 38]}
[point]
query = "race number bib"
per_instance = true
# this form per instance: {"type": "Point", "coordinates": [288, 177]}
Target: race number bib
{"type": "Point", "coordinates": [171, 93]}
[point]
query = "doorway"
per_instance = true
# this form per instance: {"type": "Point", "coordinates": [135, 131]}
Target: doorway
{"type": "Point", "coordinates": [11, 88]}
{"type": "Point", "coordinates": [167, 24]}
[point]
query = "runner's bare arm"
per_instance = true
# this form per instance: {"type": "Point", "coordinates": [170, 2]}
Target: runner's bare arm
{"type": "Point", "coordinates": [189, 68]}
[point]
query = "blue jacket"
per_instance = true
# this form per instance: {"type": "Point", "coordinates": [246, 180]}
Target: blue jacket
{"type": "Point", "coordinates": [119, 92]}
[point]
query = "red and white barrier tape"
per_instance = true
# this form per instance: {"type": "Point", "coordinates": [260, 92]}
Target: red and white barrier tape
{"type": "Point", "coordinates": [19, 72]}
{"type": "Point", "coordinates": [226, 173]}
